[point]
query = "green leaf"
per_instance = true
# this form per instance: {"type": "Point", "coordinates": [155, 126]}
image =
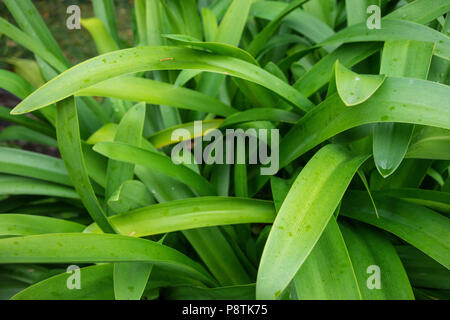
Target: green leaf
{"type": "Point", "coordinates": [69, 141]}
{"type": "Point", "coordinates": [190, 214]}
{"type": "Point", "coordinates": [10, 185]}
{"type": "Point", "coordinates": [26, 122]}
{"type": "Point", "coordinates": [261, 38]}
{"type": "Point", "coordinates": [105, 11]}
{"type": "Point", "coordinates": [23, 225]}
{"type": "Point", "coordinates": [421, 11]}
{"type": "Point", "coordinates": [356, 88]}
{"type": "Point", "coordinates": [397, 100]}
{"type": "Point", "coordinates": [210, 26]}
{"type": "Point", "coordinates": [26, 134]}
{"type": "Point", "coordinates": [15, 84]}
{"type": "Point", "coordinates": [33, 165]}
{"type": "Point", "coordinates": [93, 248]}
{"type": "Point", "coordinates": [391, 140]}
{"type": "Point", "coordinates": [155, 92]}
{"type": "Point", "coordinates": [29, 19]}
{"type": "Point", "coordinates": [138, 59]}
{"type": "Point", "coordinates": [429, 143]}
{"type": "Point", "coordinates": [164, 137]}
{"type": "Point", "coordinates": [372, 252]}
{"type": "Point", "coordinates": [103, 40]}
{"type": "Point", "coordinates": [402, 218]}
{"type": "Point", "coordinates": [230, 273]}
{"type": "Point", "coordinates": [129, 131]}
{"type": "Point", "coordinates": [258, 114]}
{"type": "Point", "coordinates": [130, 280]}
{"type": "Point", "coordinates": [216, 47]}
{"type": "Point", "coordinates": [436, 200]}
{"type": "Point", "coordinates": [97, 284]}
{"type": "Point", "coordinates": [157, 162]}
{"type": "Point", "coordinates": [302, 219]}
{"type": "Point", "coordinates": [393, 30]}
{"type": "Point", "coordinates": [131, 195]}
{"type": "Point", "coordinates": [33, 45]}
{"type": "Point", "coordinates": [328, 273]}
{"type": "Point", "coordinates": [423, 271]}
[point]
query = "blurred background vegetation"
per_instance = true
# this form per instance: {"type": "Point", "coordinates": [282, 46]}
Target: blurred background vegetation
{"type": "Point", "coordinates": [76, 44]}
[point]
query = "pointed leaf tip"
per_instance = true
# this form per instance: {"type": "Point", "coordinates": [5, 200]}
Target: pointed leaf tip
{"type": "Point", "coordinates": [354, 88]}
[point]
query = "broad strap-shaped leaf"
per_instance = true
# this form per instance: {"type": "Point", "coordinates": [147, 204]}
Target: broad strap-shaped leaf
{"type": "Point", "coordinates": [391, 140]}
{"type": "Point", "coordinates": [103, 40]}
{"type": "Point", "coordinates": [378, 268]}
{"type": "Point", "coordinates": [97, 284]}
{"type": "Point", "coordinates": [138, 59]}
{"type": "Point", "coordinates": [436, 200]}
{"type": "Point", "coordinates": [69, 142]}
{"type": "Point", "coordinates": [23, 225]}
{"type": "Point", "coordinates": [393, 30]}
{"type": "Point", "coordinates": [397, 100]}
{"type": "Point", "coordinates": [129, 131]}
{"type": "Point", "coordinates": [402, 219]}
{"type": "Point", "coordinates": [303, 216]}
{"type": "Point", "coordinates": [14, 185]}
{"type": "Point", "coordinates": [430, 143]}
{"type": "Point", "coordinates": [33, 165]}
{"type": "Point", "coordinates": [93, 248]}
{"type": "Point", "coordinates": [327, 273]}
{"type": "Point", "coordinates": [28, 135]}
{"type": "Point", "coordinates": [156, 92]}
{"type": "Point", "coordinates": [423, 271]}
{"type": "Point", "coordinates": [216, 47]}
{"type": "Point", "coordinates": [190, 214]}
{"type": "Point", "coordinates": [130, 279]}
{"type": "Point", "coordinates": [105, 11]}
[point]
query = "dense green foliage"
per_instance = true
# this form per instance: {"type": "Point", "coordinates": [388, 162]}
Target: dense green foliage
{"type": "Point", "coordinates": [357, 210]}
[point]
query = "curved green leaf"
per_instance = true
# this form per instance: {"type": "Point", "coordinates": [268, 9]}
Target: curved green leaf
{"type": "Point", "coordinates": [33, 165]}
{"type": "Point", "coordinates": [94, 248]}
{"type": "Point", "coordinates": [423, 228]}
{"type": "Point", "coordinates": [370, 250]}
{"type": "Point", "coordinates": [24, 225]}
{"type": "Point", "coordinates": [397, 100]}
{"type": "Point", "coordinates": [356, 88]}
{"type": "Point", "coordinates": [138, 59]}
{"type": "Point", "coordinates": [10, 185]}
{"type": "Point", "coordinates": [303, 216]}
{"type": "Point", "coordinates": [190, 214]}
{"type": "Point", "coordinates": [70, 147]}
{"type": "Point", "coordinates": [155, 92]}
